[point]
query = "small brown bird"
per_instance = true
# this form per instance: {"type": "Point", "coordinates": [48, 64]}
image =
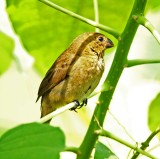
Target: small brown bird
{"type": "Point", "coordinates": [75, 73]}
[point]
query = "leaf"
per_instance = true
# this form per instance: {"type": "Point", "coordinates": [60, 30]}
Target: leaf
{"type": "Point", "coordinates": [32, 141]}
{"type": "Point", "coordinates": [153, 5]}
{"type": "Point", "coordinates": [103, 152]}
{"type": "Point", "coordinates": [6, 50]}
{"type": "Point", "coordinates": [46, 32]}
{"type": "Point", "coordinates": [42, 30]}
{"type": "Point", "coordinates": [114, 15]}
{"type": "Point", "coordinates": [153, 113]}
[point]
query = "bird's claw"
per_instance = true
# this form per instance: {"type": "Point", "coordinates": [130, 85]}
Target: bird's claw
{"type": "Point", "coordinates": [78, 105]}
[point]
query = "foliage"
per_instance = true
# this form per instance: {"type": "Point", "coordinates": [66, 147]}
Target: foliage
{"type": "Point", "coordinates": [6, 52]}
{"type": "Point", "coordinates": [37, 25]}
{"type": "Point", "coordinates": [153, 114]}
{"type": "Point", "coordinates": [32, 141]}
{"type": "Point", "coordinates": [103, 151]}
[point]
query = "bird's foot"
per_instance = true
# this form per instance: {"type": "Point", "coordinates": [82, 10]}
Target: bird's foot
{"type": "Point", "coordinates": [78, 105]}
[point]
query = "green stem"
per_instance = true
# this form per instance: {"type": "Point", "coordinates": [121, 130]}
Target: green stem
{"type": "Point", "coordinates": [131, 63]}
{"type": "Point", "coordinates": [114, 74]}
{"type": "Point", "coordinates": [96, 13]}
{"type": "Point", "coordinates": [111, 136]}
{"type": "Point", "coordinates": [146, 143]}
{"type": "Point", "coordinates": [72, 149]}
{"type": "Point", "coordinates": [83, 19]}
{"type": "Point", "coordinates": [143, 21]}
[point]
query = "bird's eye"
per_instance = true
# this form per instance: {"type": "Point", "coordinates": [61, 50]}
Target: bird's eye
{"type": "Point", "coordinates": [100, 38]}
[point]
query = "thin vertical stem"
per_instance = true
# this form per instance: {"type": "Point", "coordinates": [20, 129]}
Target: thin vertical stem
{"type": "Point", "coordinates": [96, 13]}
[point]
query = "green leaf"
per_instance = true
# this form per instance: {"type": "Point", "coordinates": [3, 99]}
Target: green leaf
{"type": "Point", "coordinates": [32, 141]}
{"type": "Point", "coordinates": [115, 13]}
{"type": "Point", "coordinates": [103, 152]}
{"type": "Point", "coordinates": [6, 50]}
{"type": "Point", "coordinates": [154, 5]}
{"type": "Point", "coordinates": [46, 32]}
{"type": "Point", "coordinates": [154, 114]}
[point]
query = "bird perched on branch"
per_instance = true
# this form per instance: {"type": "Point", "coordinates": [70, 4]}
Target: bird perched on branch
{"type": "Point", "coordinates": [75, 73]}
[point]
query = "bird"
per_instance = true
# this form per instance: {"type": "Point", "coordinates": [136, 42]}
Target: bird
{"type": "Point", "coordinates": [75, 74]}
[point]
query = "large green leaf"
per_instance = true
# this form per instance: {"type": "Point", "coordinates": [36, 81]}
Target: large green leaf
{"type": "Point", "coordinates": [154, 114]}
{"type": "Point", "coordinates": [6, 50]}
{"type": "Point", "coordinates": [103, 152]}
{"type": "Point", "coordinates": [154, 5]}
{"type": "Point", "coordinates": [46, 32]}
{"type": "Point", "coordinates": [32, 141]}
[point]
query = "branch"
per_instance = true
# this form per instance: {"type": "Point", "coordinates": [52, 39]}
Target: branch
{"type": "Point", "coordinates": [72, 149]}
{"type": "Point", "coordinates": [143, 21]}
{"type": "Point", "coordinates": [111, 136]}
{"type": "Point", "coordinates": [111, 81]}
{"type": "Point", "coordinates": [131, 63]}
{"type": "Point", "coordinates": [146, 143]}
{"type": "Point", "coordinates": [83, 19]}
{"type": "Point", "coordinates": [64, 108]}
{"type": "Point", "coordinates": [57, 112]}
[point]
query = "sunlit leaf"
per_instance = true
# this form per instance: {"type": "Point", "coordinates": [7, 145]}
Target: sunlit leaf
{"type": "Point", "coordinates": [6, 50]}
{"type": "Point", "coordinates": [153, 4]}
{"type": "Point", "coordinates": [46, 32]}
{"type": "Point", "coordinates": [32, 141]}
{"type": "Point", "coordinates": [154, 114]}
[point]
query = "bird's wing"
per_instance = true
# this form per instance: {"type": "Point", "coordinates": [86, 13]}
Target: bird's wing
{"type": "Point", "coordinates": [56, 73]}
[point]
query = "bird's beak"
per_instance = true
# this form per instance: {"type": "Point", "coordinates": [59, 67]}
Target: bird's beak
{"type": "Point", "coordinates": [109, 44]}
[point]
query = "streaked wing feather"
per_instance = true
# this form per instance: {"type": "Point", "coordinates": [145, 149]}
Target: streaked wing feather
{"type": "Point", "coordinates": [56, 73]}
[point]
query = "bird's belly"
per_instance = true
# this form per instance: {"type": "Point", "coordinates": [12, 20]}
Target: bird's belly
{"type": "Point", "coordinates": [78, 84]}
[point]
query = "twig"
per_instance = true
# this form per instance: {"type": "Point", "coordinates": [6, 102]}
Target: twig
{"type": "Point", "coordinates": [136, 62]}
{"type": "Point", "coordinates": [145, 144]}
{"type": "Point", "coordinates": [72, 149]}
{"type": "Point", "coordinates": [83, 19]}
{"type": "Point", "coordinates": [143, 21]}
{"type": "Point", "coordinates": [57, 112]}
{"type": "Point", "coordinates": [111, 136]}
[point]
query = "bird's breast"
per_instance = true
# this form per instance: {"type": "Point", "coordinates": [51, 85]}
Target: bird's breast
{"type": "Point", "coordinates": [84, 76]}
